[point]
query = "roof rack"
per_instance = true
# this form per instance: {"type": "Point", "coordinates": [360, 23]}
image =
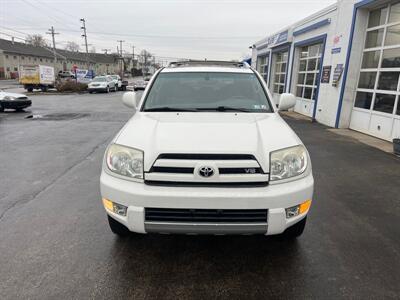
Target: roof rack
{"type": "Point", "coordinates": [219, 63]}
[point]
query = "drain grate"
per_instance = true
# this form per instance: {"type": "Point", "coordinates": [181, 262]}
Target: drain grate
{"type": "Point", "coordinates": [58, 116]}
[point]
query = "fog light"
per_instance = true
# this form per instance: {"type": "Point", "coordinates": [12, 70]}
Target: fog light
{"type": "Point", "coordinates": [292, 211]}
{"type": "Point", "coordinates": [115, 207]}
{"type": "Point", "coordinates": [298, 209]}
{"type": "Point", "coordinates": [120, 209]}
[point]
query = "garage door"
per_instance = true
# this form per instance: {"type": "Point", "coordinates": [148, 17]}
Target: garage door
{"type": "Point", "coordinates": [279, 74]}
{"type": "Point", "coordinates": [262, 66]}
{"type": "Point", "coordinates": [309, 65]}
{"type": "Point", "coordinates": [376, 108]}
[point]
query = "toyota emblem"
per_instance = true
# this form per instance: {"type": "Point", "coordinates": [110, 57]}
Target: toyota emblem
{"type": "Point", "coordinates": [206, 171]}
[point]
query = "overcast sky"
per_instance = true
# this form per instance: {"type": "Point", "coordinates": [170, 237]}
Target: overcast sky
{"type": "Point", "coordinates": [219, 29]}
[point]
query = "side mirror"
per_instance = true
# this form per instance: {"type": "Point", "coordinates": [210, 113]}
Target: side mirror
{"type": "Point", "coordinates": [132, 99]}
{"type": "Point", "coordinates": [286, 101]}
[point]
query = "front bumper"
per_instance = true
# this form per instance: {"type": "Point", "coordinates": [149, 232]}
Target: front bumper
{"type": "Point", "coordinates": [15, 104]}
{"type": "Point", "coordinates": [274, 197]}
{"type": "Point", "coordinates": [97, 89]}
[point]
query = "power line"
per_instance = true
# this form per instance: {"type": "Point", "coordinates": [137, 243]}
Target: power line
{"type": "Point", "coordinates": [47, 15]}
{"type": "Point", "coordinates": [56, 9]}
{"type": "Point", "coordinates": [161, 36]}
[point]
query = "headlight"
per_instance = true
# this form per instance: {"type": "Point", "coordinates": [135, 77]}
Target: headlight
{"type": "Point", "coordinates": [125, 161]}
{"type": "Point", "coordinates": [289, 162]}
{"type": "Point", "coordinates": [9, 98]}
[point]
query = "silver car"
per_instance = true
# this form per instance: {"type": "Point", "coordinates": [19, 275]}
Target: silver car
{"type": "Point", "coordinates": [102, 84]}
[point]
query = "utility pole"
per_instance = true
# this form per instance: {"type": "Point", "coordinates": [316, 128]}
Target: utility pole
{"type": "Point", "coordinates": [106, 52]}
{"type": "Point", "coordinates": [53, 33]}
{"type": "Point", "coordinates": [84, 35]}
{"type": "Point", "coordinates": [121, 59]}
{"type": "Point", "coordinates": [133, 57]}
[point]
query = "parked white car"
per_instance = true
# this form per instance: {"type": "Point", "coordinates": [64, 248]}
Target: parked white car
{"type": "Point", "coordinates": [13, 101]}
{"type": "Point", "coordinates": [206, 152]}
{"type": "Point", "coordinates": [102, 84]}
{"type": "Point", "coordinates": [117, 80]}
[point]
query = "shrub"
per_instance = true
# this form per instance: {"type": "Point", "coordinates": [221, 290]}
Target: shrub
{"type": "Point", "coordinates": [71, 86]}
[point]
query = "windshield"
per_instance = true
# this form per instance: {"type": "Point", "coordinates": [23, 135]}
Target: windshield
{"type": "Point", "coordinates": [207, 91]}
{"type": "Point", "coordinates": [114, 76]}
{"type": "Point", "coordinates": [100, 79]}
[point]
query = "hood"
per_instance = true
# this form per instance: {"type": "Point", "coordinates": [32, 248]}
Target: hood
{"type": "Point", "coordinates": [211, 133]}
{"type": "Point", "coordinates": [3, 94]}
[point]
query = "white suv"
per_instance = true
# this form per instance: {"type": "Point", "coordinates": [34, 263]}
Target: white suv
{"type": "Point", "coordinates": [206, 152]}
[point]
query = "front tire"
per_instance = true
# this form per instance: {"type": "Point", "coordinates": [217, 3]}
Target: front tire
{"type": "Point", "coordinates": [296, 230]}
{"type": "Point", "coordinates": [117, 228]}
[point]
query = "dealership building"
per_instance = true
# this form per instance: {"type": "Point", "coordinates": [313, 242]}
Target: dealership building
{"type": "Point", "coordinates": [343, 65]}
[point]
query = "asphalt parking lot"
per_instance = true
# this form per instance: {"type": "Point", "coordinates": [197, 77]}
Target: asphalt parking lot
{"type": "Point", "coordinates": [55, 241]}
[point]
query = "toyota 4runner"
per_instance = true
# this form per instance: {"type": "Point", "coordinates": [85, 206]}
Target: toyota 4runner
{"type": "Point", "coordinates": [206, 152]}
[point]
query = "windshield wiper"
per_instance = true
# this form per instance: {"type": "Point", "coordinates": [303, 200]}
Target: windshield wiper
{"type": "Point", "coordinates": [224, 108]}
{"type": "Point", "coordinates": [168, 108]}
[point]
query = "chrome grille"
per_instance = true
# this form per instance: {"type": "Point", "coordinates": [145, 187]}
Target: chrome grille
{"type": "Point", "coordinates": [178, 169]}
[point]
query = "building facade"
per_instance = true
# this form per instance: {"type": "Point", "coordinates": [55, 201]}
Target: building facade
{"type": "Point", "coordinates": [13, 54]}
{"type": "Point", "coordinates": [342, 64]}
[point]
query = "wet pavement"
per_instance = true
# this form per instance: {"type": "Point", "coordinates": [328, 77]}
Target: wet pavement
{"type": "Point", "coordinates": [55, 241]}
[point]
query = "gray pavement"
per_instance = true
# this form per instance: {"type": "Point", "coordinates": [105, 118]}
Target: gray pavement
{"type": "Point", "coordinates": [55, 241]}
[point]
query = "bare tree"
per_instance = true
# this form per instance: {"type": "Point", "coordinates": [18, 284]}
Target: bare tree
{"type": "Point", "coordinates": [145, 60]}
{"type": "Point", "coordinates": [36, 40]}
{"type": "Point", "coordinates": [72, 46]}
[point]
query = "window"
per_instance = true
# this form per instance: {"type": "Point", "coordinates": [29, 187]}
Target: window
{"type": "Point", "coordinates": [262, 66]}
{"type": "Point", "coordinates": [394, 15]}
{"type": "Point", "coordinates": [8, 69]}
{"type": "Point", "coordinates": [377, 17]}
{"type": "Point", "coordinates": [367, 80]}
{"type": "Point", "coordinates": [40, 59]}
{"type": "Point", "coordinates": [207, 92]}
{"type": "Point", "coordinates": [392, 35]}
{"type": "Point", "coordinates": [363, 100]}
{"type": "Point", "coordinates": [15, 69]}
{"type": "Point", "coordinates": [280, 72]}
{"type": "Point", "coordinates": [14, 57]}
{"type": "Point", "coordinates": [388, 81]}
{"type": "Point", "coordinates": [374, 38]}
{"type": "Point", "coordinates": [309, 66]}
{"type": "Point", "coordinates": [22, 57]}
{"type": "Point", "coordinates": [384, 103]}
{"type": "Point", "coordinates": [6, 56]}
{"type": "Point", "coordinates": [378, 86]}
{"type": "Point", "coordinates": [370, 59]}
{"type": "Point", "coordinates": [391, 58]}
